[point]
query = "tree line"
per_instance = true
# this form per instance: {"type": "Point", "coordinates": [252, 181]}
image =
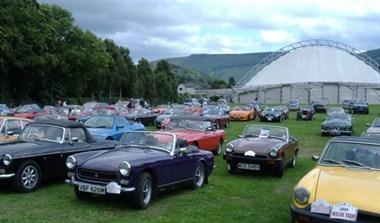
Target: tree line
{"type": "Point", "coordinates": [44, 57]}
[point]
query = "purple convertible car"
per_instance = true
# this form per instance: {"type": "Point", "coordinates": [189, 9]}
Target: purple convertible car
{"type": "Point", "coordinates": [143, 164]}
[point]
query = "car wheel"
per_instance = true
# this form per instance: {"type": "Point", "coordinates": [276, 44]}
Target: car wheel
{"type": "Point", "coordinates": [199, 176]}
{"type": "Point", "coordinates": [279, 171]}
{"type": "Point", "coordinates": [28, 177]}
{"type": "Point", "coordinates": [218, 149]}
{"type": "Point", "coordinates": [293, 161]}
{"type": "Point", "coordinates": [231, 168]}
{"type": "Point", "coordinates": [81, 195]}
{"type": "Point", "coordinates": [144, 191]}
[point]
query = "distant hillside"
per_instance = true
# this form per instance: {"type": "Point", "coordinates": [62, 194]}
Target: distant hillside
{"type": "Point", "coordinates": [222, 66]}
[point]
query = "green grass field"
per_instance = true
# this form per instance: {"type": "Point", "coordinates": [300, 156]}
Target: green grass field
{"type": "Point", "coordinates": [227, 198]}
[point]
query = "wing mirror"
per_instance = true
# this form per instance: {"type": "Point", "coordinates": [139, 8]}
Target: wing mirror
{"type": "Point", "coordinates": [208, 129]}
{"type": "Point", "coordinates": [74, 140]}
{"type": "Point", "coordinates": [315, 158]}
{"type": "Point", "coordinates": [119, 127]}
{"type": "Point", "coordinates": [240, 136]}
{"type": "Point", "coordinates": [183, 151]}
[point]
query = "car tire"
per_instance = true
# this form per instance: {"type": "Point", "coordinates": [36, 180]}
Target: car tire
{"type": "Point", "coordinates": [231, 169]}
{"type": "Point", "coordinates": [28, 177]}
{"type": "Point", "coordinates": [199, 176]}
{"type": "Point", "coordinates": [81, 195]}
{"type": "Point", "coordinates": [293, 162]}
{"type": "Point", "coordinates": [218, 149]}
{"type": "Point", "coordinates": [279, 171]}
{"type": "Point", "coordinates": [143, 194]}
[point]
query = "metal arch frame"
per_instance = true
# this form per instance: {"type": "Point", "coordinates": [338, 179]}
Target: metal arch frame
{"type": "Point", "coordinates": [307, 43]}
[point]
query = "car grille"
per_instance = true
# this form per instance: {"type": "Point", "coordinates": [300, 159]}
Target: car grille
{"type": "Point", "coordinates": [95, 175]}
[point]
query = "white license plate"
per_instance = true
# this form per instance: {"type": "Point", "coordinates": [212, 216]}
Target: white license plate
{"type": "Point", "coordinates": [269, 118]}
{"type": "Point", "coordinates": [248, 166]}
{"type": "Point", "coordinates": [89, 188]}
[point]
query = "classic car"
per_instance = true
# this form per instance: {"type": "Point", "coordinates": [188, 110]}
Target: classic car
{"type": "Point", "coordinates": [143, 164]}
{"type": "Point", "coordinates": [217, 116]}
{"type": "Point", "coordinates": [192, 101]}
{"type": "Point", "coordinates": [143, 115]}
{"type": "Point", "coordinates": [305, 113]}
{"type": "Point", "coordinates": [4, 110]}
{"type": "Point", "coordinates": [319, 106]}
{"type": "Point", "coordinates": [58, 113]}
{"type": "Point", "coordinates": [242, 112]}
{"type": "Point", "coordinates": [41, 151]}
{"type": "Point", "coordinates": [294, 105]}
{"type": "Point", "coordinates": [358, 106]}
{"type": "Point", "coordinates": [335, 110]}
{"type": "Point", "coordinates": [344, 186]}
{"type": "Point", "coordinates": [337, 124]}
{"type": "Point", "coordinates": [272, 114]}
{"type": "Point", "coordinates": [346, 103]}
{"type": "Point", "coordinates": [162, 120]}
{"type": "Point", "coordinates": [374, 128]}
{"type": "Point", "coordinates": [197, 131]}
{"type": "Point", "coordinates": [28, 111]}
{"type": "Point", "coordinates": [11, 127]}
{"type": "Point", "coordinates": [111, 127]}
{"type": "Point", "coordinates": [262, 148]}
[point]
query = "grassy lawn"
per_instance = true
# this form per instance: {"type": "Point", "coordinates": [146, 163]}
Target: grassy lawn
{"type": "Point", "coordinates": [227, 198]}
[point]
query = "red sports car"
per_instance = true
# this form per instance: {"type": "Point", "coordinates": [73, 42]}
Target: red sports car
{"type": "Point", "coordinates": [198, 132]}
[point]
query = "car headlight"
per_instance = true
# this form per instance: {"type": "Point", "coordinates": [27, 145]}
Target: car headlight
{"type": "Point", "coordinates": [7, 159]}
{"type": "Point", "coordinates": [229, 148]}
{"type": "Point", "coordinates": [273, 152]}
{"type": "Point", "coordinates": [301, 196]}
{"type": "Point", "coordinates": [71, 162]}
{"type": "Point", "coordinates": [125, 168]}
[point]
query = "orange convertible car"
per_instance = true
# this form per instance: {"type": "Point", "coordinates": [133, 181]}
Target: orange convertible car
{"type": "Point", "coordinates": [242, 112]}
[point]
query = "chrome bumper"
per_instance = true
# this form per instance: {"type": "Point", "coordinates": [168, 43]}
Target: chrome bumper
{"type": "Point", "coordinates": [74, 182]}
{"type": "Point", "coordinates": [6, 176]}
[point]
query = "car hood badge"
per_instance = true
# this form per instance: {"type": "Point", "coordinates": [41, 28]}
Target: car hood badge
{"type": "Point", "coordinates": [250, 153]}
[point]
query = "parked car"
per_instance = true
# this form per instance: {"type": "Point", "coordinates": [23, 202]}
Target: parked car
{"type": "Point", "coordinates": [337, 124]}
{"type": "Point", "coordinates": [358, 106]}
{"type": "Point", "coordinates": [223, 104]}
{"type": "Point", "coordinates": [344, 186]}
{"type": "Point", "coordinates": [28, 111]}
{"type": "Point", "coordinates": [197, 131]}
{"type": "Point", "coordinates": [41, 152]}
{"type": "Point", "coordinates": [374, 128]}
{"type": "Point", "coordinates": [162, 120]}
{"type": "Point", "coordinates": [272, 114]}
{"type": "Point", "coordinates": [262, 148]}
{"type": "Point", "coordinates": [242, 112]}
{"type": "Point", "coordinates": [285, 111]}
{"type": "Point", "coordinates": [217, 116]}
{"type": "Point", "coordinates": [111, 127]}
{"type": "Point", "coordinates": [294, 104]}
{"type": "Point", "coordinates": [11, 127]}
{"type": "Point", "coordinates": [305, 113]}
{"type": "Point", "coordinates": [161, 109]}
{"type": "Point", "coordinates": [319, 106]}
{"type": "Point", "coordinates": [347, 103]}
{"type": "Point", "coordinates": [4, 110]}
{"type": "Point", "coordinates": [143, 164]}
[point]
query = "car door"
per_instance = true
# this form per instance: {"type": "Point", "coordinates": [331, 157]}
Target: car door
{"type": "Point", "coordinates": [290, 148]}
{"type": "Point", "coordinates": [182, 166]}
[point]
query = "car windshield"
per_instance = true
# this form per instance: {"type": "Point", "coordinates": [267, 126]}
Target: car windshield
{"type": "Point", "coordinates": [155, 140]}
{"type": "Point", "coordinates": [241, 108]}
{"type": "Point", "coordinates": [196, 125]}
{"type": "Point", "coordinates": [337, 116]}
{"type": "Point", "coordinates": [26, 109]}
{"type": "Point", "coordinates": [276, 109]}
{"type": "Point", "coordinates": [104, 111]}
{"type": "Point", "coordinates": [100, 122]}
{"type": "Point", "coordinates": [43, 132]}
{"type": "Point", "coordinates": [360, 103]}
{"type": "Point", "coordinates": [266, 131]}
{"type": "Point", "coordinates": [352, 154]}
{"type": "Point", "coordinates": [213, 110]}
{"type": "Point", "coordinates": [293, 102]}
{"type": "Point", "coordinates": [339, 110]}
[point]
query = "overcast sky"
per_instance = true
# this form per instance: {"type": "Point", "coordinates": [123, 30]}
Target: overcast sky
{"type": "Point", "coordinates": [162, 29]}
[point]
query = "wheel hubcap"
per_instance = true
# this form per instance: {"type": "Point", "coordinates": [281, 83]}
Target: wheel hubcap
{"type": "Point", "coordinates": [29, 177]}
{"type": "Point", "coordinates": [147, 191]}
{"type": "Point", "coordinates": [199, 176]}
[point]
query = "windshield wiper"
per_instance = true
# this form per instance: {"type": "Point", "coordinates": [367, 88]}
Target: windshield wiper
{"type": "Point", "coordinates": [357, 163]}
{"type": "Point", "coordinates": [335, 162]}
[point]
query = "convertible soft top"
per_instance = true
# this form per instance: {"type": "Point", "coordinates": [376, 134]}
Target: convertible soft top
{"type": "Point", "coordinates": [62, 123]}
